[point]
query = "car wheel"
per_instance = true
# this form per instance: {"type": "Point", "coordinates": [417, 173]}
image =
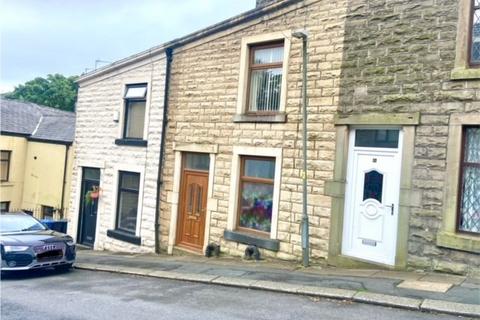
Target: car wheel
{"type": "Point", "coordinates": [64, 267]}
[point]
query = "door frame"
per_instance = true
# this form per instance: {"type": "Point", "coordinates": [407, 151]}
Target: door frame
{"type": "Point", "coordinates": [174, 196]}
{"type": "Point", "coordinates": [80, 204]}
{"type": "Point", "coordinates": [351, 189]}
{"type": "Point", "coordinates": [335, 188]}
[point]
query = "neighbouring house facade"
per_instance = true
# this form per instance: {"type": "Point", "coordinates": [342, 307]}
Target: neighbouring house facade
{"type": "Point", "coordinates": [393, 141]}
{"type": "Point", "coordinates": [36, 158]}
{"type": "Point", "coordinates": [118, 134]}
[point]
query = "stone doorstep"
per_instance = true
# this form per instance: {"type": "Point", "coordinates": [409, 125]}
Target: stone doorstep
{"type": "Point", "coordinates": [429, 305]}
{"type": "Point", "coordinates": [425, 285]}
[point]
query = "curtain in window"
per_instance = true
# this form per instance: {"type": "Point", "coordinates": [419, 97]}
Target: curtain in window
{"type": "Point", "coordinates": [265, 89]}
{"type": "Point", "coordinates": [135, 120]}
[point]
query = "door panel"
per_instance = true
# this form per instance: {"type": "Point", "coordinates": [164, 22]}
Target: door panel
{"type": "Point", "coordinates": [193, 208]}
{"type": "Point", "coordinates": [88, 207]}
{"type": "Point", "coordinates": [371, 204]}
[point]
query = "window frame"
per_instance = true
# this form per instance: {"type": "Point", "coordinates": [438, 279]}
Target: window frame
{"type": "Point", "coordinates": [241, 114]}
{"type": "Point", "coordinates": [45, 208]}
{"type": "Point", "coordinates": [252, 67]}
{"type": "Point", "coordinates": [8, 161]}
{"type": "Point", "coordinates": [242, 178]}
{"type": "Point", "coordinates": [7, 204]}
{"type": "Point", "coordinates": [119, 191]}
{"type": "Point", "coordinates": [127, 102]}
{"type": "Point", "coordinates": [461, 180]}
{"type": "Point", "coordinates": [470, 35]}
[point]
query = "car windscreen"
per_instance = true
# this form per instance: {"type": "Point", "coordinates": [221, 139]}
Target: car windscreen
{"type": "Point", "coordinates": [17, 223]}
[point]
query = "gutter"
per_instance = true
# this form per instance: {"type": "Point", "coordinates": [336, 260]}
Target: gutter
{"type": "Point", "coordinates": [62, 207]}
{"type": "Point", "coordinates": [218, 27]}
{"type": "Point", "coordinates": [169, 54]}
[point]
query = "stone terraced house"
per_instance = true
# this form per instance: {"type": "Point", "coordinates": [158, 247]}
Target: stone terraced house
{"type": "Point", "coordinates": [199, 140]}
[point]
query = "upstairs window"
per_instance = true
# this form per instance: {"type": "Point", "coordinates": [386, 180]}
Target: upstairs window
{"type": "Point", "coordinates": [475, 33]}
{"type": "Point", "coordinates": [265, 77]}
{"type": "Point", "coordinates": [135, 102]}
{"type": "Point", "coordinates": [4, 165]}
{"type": "Point", "coordinates": [469, 193]}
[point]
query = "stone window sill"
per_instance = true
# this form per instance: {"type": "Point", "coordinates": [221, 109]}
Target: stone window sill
{"type": "Point", "coordinates": [458, 241]}
{"type": "Point", "coordinates": [124, 236]}
{"type": "Point", "coordinates": [7, 183]}
{"type": "Point", "coordinates": [269, 244]}
{"type": "Point", "coordinates": [280, 117]}
{"type": "Point", "coordinates": [465, 74]}
{"type": "Point", "coordinates": [131, 142]}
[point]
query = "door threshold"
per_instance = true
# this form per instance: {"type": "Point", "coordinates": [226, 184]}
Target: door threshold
{"type": "Point", "coordinates": [183, 249]}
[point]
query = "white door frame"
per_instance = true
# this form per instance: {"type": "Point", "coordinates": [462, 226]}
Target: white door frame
{"type": "Point", "coordinates": [349, 218]}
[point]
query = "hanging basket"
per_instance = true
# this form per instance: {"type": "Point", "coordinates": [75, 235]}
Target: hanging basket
{"type": "Point", "coordinates": [92, 195]}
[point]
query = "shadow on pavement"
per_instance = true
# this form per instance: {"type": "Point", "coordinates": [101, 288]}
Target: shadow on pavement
{"type": "Point", "coordinates": [28, 274]}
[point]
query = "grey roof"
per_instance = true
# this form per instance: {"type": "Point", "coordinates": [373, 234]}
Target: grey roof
{"type": "Point", "coordinates": [36, 122]}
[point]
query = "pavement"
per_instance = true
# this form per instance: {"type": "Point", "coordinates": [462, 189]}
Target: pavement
{"type": "Point", "coordinates": [420, 291]}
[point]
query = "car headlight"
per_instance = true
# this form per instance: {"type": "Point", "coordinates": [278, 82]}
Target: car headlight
{"type": "Point", "coordinates": [15, 248]}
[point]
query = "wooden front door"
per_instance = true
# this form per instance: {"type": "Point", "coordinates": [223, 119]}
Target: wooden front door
{"type": "Point", "coordinates": [193, 200]}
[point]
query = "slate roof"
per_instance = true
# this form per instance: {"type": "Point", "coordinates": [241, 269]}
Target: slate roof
{"type": "Point", "coordinates": [36, 122]}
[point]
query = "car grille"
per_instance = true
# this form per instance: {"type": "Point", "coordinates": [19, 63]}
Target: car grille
{"type": "Point", "coordinates": [49, 255]}
{"type": "Point", "coordinates": [21, 259]}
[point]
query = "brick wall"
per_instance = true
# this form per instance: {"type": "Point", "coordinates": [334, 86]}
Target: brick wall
{"type": "Point", "coordinates": [96, 131]}
{"type": "Point", "coordinates": [399, 55]}
{"type": "Point", "coordinates": [203, 95]}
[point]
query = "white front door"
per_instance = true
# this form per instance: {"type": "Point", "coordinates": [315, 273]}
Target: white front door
{"type": "Point", "coordinates": [372, 194]}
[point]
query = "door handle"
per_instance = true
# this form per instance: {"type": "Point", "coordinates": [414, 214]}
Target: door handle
{"type": "Point", "coordinates": [392, 208]}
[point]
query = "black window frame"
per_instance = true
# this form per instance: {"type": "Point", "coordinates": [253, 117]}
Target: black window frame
{"type": "Point", "coordinates": [127, 103]}
{"type": "Point", "coordinates": [119, 191]}
{"type": "Point", "coordinates": [463, 164]}
{"type": "Point", "coordinates": [47, 209]}
{"type": "Point", "coordinates": [9, 152]}
{"type": "Point", "coordinates": [7, 205]}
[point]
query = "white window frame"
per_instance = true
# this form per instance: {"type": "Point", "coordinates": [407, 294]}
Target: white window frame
{"type": "Point", "coordinates": [243, 81]}
{"type": "Point", "coordinates": [238, 152]}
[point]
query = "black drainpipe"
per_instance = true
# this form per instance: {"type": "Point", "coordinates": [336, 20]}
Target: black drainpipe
{"type": "Point", "coordinates": [62, 207]}
{"type": "Point", "coordinates": [168, 53]}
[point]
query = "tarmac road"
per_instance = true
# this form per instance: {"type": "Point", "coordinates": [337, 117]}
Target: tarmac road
{"type": "Point", "coordinates": [81, 294]}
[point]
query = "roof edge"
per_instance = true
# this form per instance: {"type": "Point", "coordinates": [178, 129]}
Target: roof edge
{"type": "Point", "coordinates": [218, 27]}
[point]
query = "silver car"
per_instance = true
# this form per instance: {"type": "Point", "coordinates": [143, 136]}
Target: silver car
{"type": "Point", "coordinates": [27, 244]}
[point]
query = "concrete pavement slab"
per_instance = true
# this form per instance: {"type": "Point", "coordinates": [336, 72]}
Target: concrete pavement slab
{"type": "Point", "coordinates": [327, 292]}
{"type": "Point", "coordinates": [425, 286]}
{"type": "Point", "coordinates": [276, 286]}
{"type": "Point", "coordinates": [444, 278]}
{"type": "Point", "coordinates": [469, 310]}
{"type": "Point", "coordinates": [398, 275]}
{"type": "Point", "coordinates": [196, 277]}
{"type": "Point", "coordinates": [387, 300]}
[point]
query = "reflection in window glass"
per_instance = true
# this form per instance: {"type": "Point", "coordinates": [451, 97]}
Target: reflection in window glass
{"type": "Point", "coordinates": [197, 161]}
{"type": "Point", "coordinates": [469, 209]}
{"type": "Point", "coordinates": [475, 41]}
{"type": "Point", "coordinates": [128, 201]}
{"type": "Point", "coordinates": [373, 186]}
{"type": "Point", "coordinates": [256, 194]}
{"type": "Point", "coordinates": [376, 138]}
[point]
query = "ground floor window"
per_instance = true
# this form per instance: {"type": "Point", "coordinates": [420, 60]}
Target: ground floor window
{"type": "Point", "coordinates": [47, 212]}
{"type": "Point", "coordinates": [469, 193]}
{"type": "Point", "coordinates": [256, 193]}
{"type": "Point", "coordinates": [4, 206]}
{"type": "Point", "coordinates": [127, 204]}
